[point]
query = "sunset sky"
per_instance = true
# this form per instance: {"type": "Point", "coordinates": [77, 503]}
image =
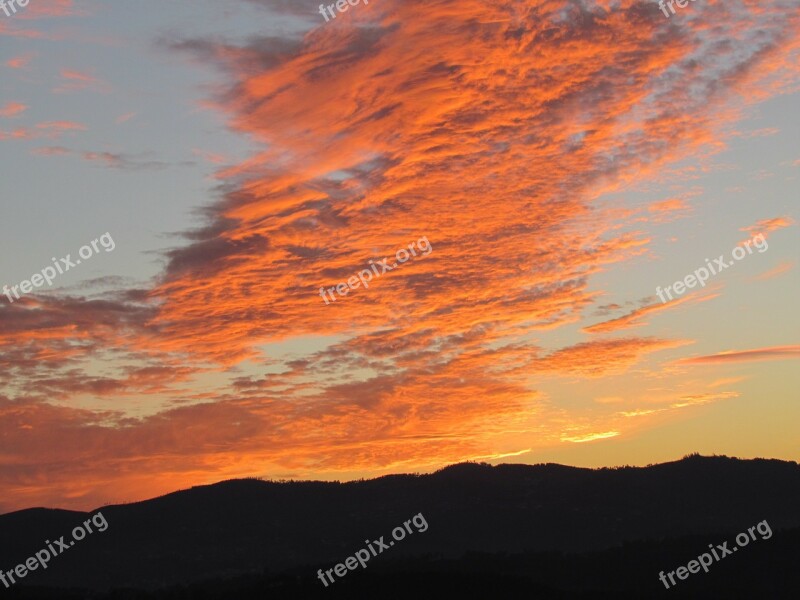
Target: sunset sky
{"type": "Point", "coordinates": [563, 159]}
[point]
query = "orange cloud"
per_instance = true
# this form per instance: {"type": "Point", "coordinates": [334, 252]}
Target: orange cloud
{"type": "Point", "coordinates": [19, 62]}
{"type": "Point", "coordinates": [770, 353]}
{"type": "Point", "coordinates": [12, 109]}
{"type": "Point", "coordinates": [698, 399]}
{"type": "Point", "coordinates": [725, 381]}
{"type": "Point", "coordinates": [776, 271]}
{"type": "Point", "coordinates": [49, 9]}
{"type": "Point", "coordinates": [634, 318]}
{"type": "Point", "coordinates": [21, 133]}
{"type": "Point", "coordinates": [60, 126]}
{"type": "Point", "coordinates": [49, 130]}
{"type": "Point", "coordinates": [601, 357]}
{"type": "Point", "coordinates": [74, 81]}
{"type": "Point", "coordinates": [766, 226]}
{"type": "Point", "coordinates": [671, 205]}
{"type": "Point", "coordinates": [50, 151]}
{"type": "Point", "coordinates": [765, 131]}
{"type": "Point", "coordinates": [371, 134]}
{"type": "Point", "coordinates": [211, 157]}
{"type": "Point", "coordinates": [7, 29]}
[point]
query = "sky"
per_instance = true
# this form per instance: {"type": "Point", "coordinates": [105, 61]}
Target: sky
{"type": "Point", "coordinates": [555, 164]}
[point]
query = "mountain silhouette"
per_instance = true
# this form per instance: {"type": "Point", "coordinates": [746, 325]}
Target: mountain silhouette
{"type": "Point", "coordinates": [547, 525]}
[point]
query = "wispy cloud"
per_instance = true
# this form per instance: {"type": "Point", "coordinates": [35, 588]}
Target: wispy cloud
{"type": "Point", "coordinates": [766, 226]}
{"type": "Point", "coordinates": [589, 437]}
{"type": "Point", "coordinates": [734, 356]}
{"type": "Point", "coordinates": [777, 271]}
{"type": "Point", "coordinates": [636, 316]}
{"type": "Point", "coordinates": [60, 126]}
{"type": "Point", "coordinates": [74, 81]}
{"type": "Point", "coordinates": [51, 151]}
{"type": "Point", "coordinates": [122, 161]}
{"type": "Point", "coordinates": [19, 62]}
{"type": "Point", "coordinates": [49, 130]}
{"type": "Point", "coordinates": [124, 118]}
{"type": "Point", "coordinates": [12, 109]}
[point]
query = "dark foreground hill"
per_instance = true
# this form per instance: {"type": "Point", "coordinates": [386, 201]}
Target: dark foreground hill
{"type": "Point", "coordinates": [493, 531]}
{"type": "Point", "coordinates": [626, 572]}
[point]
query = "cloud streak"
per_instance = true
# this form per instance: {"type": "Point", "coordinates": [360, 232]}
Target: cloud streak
{"type": "Point", "coordinates": [736, 356]}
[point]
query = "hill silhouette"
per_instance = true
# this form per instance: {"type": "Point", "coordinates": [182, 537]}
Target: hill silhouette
{"type": "Point", "coordinates": [489, 524]}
